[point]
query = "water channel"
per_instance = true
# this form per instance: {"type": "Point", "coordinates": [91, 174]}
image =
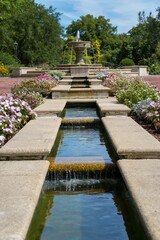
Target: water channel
{"type": "Point", "coordinates": [83, 206]}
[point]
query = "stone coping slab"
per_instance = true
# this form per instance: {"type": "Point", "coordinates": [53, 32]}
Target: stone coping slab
{"type": "Point", "coordinates": [34, 141]}
{"type": "Point", "coordinates": [79, 164]}
{"type": "Point", "coordinates": [82, 100]}
{"type": "Point", "coordinates": [50, 107]}
{"type": "Point", "coordinates": [74, 93]}
{"type": "Point", "coordinates": [107, 100]}
{"type": "Point", "coordinates": [112, 108]}
{"type": "Point", "coordinates": [99, 101]}
{"type": "Point", "coordinates": [129, 139]}
{"type": "Point", "coordinates": [143, 181]}
{"type": "Point", "coordinates": [91, 88]}
{"type": "Point", "coordinates": [95, 81]}
{"type": "Point", "coordinates": [20, 186]}
{"type": "Point", "coordinates": [68, 88]}
{"type": "Point", "coordinates": [61, 88]}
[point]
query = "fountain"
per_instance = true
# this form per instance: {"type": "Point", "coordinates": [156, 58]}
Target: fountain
{"type": "Point", "coordinates": [79, 68]}
{"type": "Point", "coordinates": [79, 47]}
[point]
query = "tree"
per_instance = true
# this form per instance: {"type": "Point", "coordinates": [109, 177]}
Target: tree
{"type": "Point", "coordinates": [36, 30]}
{"type": "Point", "coordinates": [145, 37]}
{"type": "Point", "coordinates": [93, 29]}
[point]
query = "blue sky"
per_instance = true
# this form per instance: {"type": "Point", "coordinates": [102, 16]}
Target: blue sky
{"type": "Point", "coordinates": [122, 13]}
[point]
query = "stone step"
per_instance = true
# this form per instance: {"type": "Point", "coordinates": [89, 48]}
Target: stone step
{"type": "Point", "coordinates": [79, 80]}
{"type": "Point", "coordinates": [66, 92]}
{"type": "Point", "coordinates": [50, 108]}
{"type": "Point", "coordinates": [129, 139]}
{"type": "Point", "coordinates": [34, 141]}
{"type": "Point", "coordinates": [79, 86]}
{"type": "Point", "coordinates": [95, 81]}
{"type": "Point", "coordinates": [112, 108]}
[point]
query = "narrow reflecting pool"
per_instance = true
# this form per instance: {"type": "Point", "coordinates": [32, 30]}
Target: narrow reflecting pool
{"type": "Point", "coordinates": [84, 210]}
{"type": "Point", "coordinates": [81, 142]}
{"type": "Point", "coordinates": [83, 205]}
{"type": "Point", "coordinates": [81, 110]}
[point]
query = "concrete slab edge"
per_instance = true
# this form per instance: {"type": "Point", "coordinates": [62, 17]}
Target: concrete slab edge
{"type": "Point", "coordinates": [19, 207]}
{"type": "Point", "coordinates": [149, 230]}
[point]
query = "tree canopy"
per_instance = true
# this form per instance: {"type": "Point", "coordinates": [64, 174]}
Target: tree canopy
{"type": "Point", "coordinates": [40, 37]}
{"type": "Point", "coordinates": [35, 29]}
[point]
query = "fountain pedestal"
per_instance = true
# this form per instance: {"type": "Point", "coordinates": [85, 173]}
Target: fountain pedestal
{"type": "Point", "coordinates": [79, 47]}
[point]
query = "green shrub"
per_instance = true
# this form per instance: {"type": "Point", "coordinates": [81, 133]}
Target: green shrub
{"type": "Point", "coordinates": [3, 70]}
{"type": "Point", "coordinates": [127, 62]}
{"type": "Point", "coordinates": [9, 60]}
{"type": "Point", "coordinates": [154, 69]}
{"type": "Point", "coordinates": [135, 91]}
{"type": "Point", "coordinates": [56, 74]}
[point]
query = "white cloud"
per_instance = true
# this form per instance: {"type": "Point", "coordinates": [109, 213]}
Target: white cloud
{"type": "Point", "coordinates": [122, 13]}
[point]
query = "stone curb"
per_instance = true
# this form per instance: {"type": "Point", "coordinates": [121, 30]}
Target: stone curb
{"type": "Point", "coordinates": [112, 108]}
{"type": "Point", "coordinates": [34, 141]}
{"type": "Point", "coordinates": [20, 186]}
{"type": "Point", "coordinates": [129, 139]}
{"type": "Point", "coordinates": [142, 179]}
{"type": "Point", "coordinates": [50, 107]}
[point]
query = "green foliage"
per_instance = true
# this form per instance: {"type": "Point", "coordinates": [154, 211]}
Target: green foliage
{"type": "Point", "coordinates": [91, 28]}
{"type": "Point", "coordinates": [154, 69]}
{"type": "Point", "coordinates": [41, 86]}
{"type": "Point", "coordinates": [34, 99]}
{"type": "Point", "coordinates": [99, 31]}
{"type": "Point", "coordinates": [39, 35]}
{"type": "Point", "coordinates": [9, 60]}
{"type": "Point", "coordinates": [145, 38]}
{"type": "Point", "coordinates": [3, 70]}
{"type": "Point", "coordinates": [127, 62]}
{"type": "Point", "coordinates": [35, 28]}
{"type": "Point", "coordinates": [135, 91]}
{"type": "Point", "coordinates": [56, 74]}
{"type": "Point", "coordinates": [97, 51]}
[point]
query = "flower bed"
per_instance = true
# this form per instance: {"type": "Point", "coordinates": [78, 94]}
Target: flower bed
{"type": "Point", "coordinates": [14, 114]}
{"type": "Point", "coordinates": [16, 111]}
{"type": "Point", "coordinates": [140, 96]}
{"type": "Point", "coordinates": [42, 84]}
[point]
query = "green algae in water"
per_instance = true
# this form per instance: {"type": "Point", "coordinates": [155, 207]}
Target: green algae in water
{"type": "Point", "coordinates": [84, 210]}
